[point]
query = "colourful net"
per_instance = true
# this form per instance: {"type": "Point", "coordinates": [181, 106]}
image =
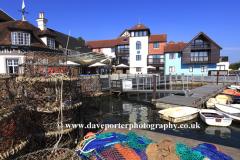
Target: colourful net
{"type": "Point", "coordinates": [212, 152]}
{"type": "Point", "coordinates": [116, 146]}
{"type": "Point", "coordinates": [186, 153]}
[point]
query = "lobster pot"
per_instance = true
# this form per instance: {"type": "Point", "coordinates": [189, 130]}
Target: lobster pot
{"type": "Point", "coordinates": [71, 89]}
{"type": "Point", "coordinates": [93, 124]}
{"type": "Point", "coordinates": [50, 139]}
{"type": "Point", "coordinates": [51, 153]}
{"type": "Point", "coordinates": [15, 133]}
{"type": "Point", "coordinates": [90, 86]}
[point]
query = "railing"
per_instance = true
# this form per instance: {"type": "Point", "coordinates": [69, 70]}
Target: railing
{"type": "Point", "coordinates": [200, 45]}
{"type": "Point", "coordinates": [223, 59]}
{"type": "Point", "coordinates": [200, 59]}
{"type": "Point", "coordinates": [122, 51]}
{"type": "Point", "coordinates": [155, 61]}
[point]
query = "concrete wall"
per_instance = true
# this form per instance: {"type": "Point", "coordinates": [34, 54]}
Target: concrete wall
{"type": "Point", "coordinates": [184, 68]}
{"type": "Point", "coordinates": [143, 52]}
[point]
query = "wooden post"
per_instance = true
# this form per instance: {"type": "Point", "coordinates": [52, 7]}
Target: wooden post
{"type": "Point", "coordinates": [217, 76]}
{"type": "Point", "coordinates": [127, 75]}
{"type": "Point", "coordinates": [137, 82]}
{"type": "Point", "coordinates": [187, 82]}
{"type": "Point", "coordinates": [183, 81]}
{"type": "Point", "coordinates": [202, 80]}
{"type": "Point", "coordinates": [224, 78]}
{"type": "Point", "coordinates": [143, 83]}
{"type": "Point", "coordinates": [192, 78]}
{"type": "Point", "coordinates": [150, 82]}
{"type": "Point", "coordinates": [170, 81]}
{"type": "Point", "coordinates": [154, 87]}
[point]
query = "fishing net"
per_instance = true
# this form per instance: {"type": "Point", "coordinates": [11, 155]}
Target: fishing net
{"type": "Point", "coordinates": [186, 153]}
{"type": "Point", "coordinates": [50, 153]}
{"type": "Point", "coordinates": [116, 146]}
{"type": "Point", "coordinates": [212, 152]}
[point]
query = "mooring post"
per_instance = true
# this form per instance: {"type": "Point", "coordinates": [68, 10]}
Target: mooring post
{"type": "Point", "coordinates": [183, 81]}
{"type": "Point", "coordinates": [202, 80]}
{"type": "Point", "coordinates": [224, 79]}
{"type": "Point", "coordinates": [170, 81]}
{"type": "Point", "coordinates": [187, 82]}
{"type": "Point", "coordinates": [217, 76]}
{"type": "Point", "coordinates": [154, 87]}
{"type": "Point", "coordinates": [137, 82]}
{"type": "Point", "coordinates": [165, 81]}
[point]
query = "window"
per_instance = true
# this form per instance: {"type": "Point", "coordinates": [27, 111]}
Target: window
{"type": "Point", "coordinates": [51, 43]}
{"type": "Point", "coordinates": [220, 67]}
{"type": "Point", "coordinates": [136, 34]}
{"type": "Point", "coordinates": [138, 45]}
{"type": "Point", "coordinates": [199, 43]}
{"type": "Point", "coordinates": [113, 49]}
{"type": "Point", "coordinates": [156, 45]}
{"type": "Point", "coordinates": [20, 38]}
{"type": "Point", "coordinates": [99, 50]}
{"type": "Point", "coordinates": [123, 49]}
{"type": "Point", "coordinates": [199, 56]}
{"type": "Point", "coordinates": [140, 33]}
{"type": "Point", "coordinates": [144, 33]}
{"type": "Point", "coordinates": [69, 52]}
{"type": "Point", "coordinates": [155, 59]}
{"type": "Point", "coordinates": [172, 56]}
{"type": "Point", "coordinates": [88, 46]}
{"type": "Point", "coordinates": [132, 34]}
{"type": "Point", "coordinates": [171, 69]}
{"type": "Point", "coordinates": [12, 65]}
{"type": "Point", "coordinates": [125, 40]}
{"type": "Point", "coordinates": [190, 69]}
{"type": "Point", "coordinates": [204, 68]}
{"type": "Point", "coordinates": [138, 57]}
{"type": "Point", "coordinates": [138, 69]}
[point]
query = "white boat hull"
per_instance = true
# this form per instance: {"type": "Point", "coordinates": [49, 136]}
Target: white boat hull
{"type": "Point", "coordinates": [215, 118]}
{"type": "Point", "coordinates": [178, 114]}
{"type": "Point", "coordinates": [232, 112]}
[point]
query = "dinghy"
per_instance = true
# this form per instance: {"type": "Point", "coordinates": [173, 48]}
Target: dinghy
{"type": "Point", "coordinates": [215, 118]}
{"type": "Point", "coordinates": [232, 112]}
{"type": "Point", "coordinates": [231, 92]}
{"type": "Point", "coordinates": [178, 114]}
{"type": "Point", "coordinates": [235, 86]}
{"type": "Point", "coordinates": [210, 103]}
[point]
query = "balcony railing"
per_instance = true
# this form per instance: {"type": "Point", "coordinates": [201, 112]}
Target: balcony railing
{"type": "Point", "coordinates": [200, 59]}
{"type": "Point", "coordinates": [122, 51]}
{"type": "Point", "coordinates": [223, 59]}
{"type": "Point", "coordinates": [200, 45]}
{"type": "Point", "coordinates": [117, 62]}
{"type": "Point", "coordinates": [155, 61]}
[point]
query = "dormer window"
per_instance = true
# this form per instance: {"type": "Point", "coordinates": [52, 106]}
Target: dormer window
{"type": "Point", "coordinates": [20, 38]}
{"type": "Point", "coordinates": [51, 43]}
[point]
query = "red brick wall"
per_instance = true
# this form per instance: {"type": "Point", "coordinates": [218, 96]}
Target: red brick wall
{"type": "Point", "coordinates": [159, 50]}
{"type": "Point", "coordinates": [96, 50]}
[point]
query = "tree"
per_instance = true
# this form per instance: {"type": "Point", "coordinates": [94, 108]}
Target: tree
{"type": "Point", "coordinates": [81, 40]}
{"type": "Point", "coordinates": [235, 66]}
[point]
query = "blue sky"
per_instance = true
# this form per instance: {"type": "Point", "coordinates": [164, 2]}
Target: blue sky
{"type": "Point", "coordinates": [181, 20]}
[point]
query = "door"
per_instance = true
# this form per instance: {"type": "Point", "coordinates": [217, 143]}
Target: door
{"type": "Point", "coordinates": [124, 70]}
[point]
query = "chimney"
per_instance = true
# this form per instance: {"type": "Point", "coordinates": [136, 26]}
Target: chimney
{"type": "Point", "coordinates": [180, 41]}
{"type": "Point", "coordinates": [42, 22]}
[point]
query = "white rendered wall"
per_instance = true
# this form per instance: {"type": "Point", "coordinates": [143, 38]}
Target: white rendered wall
{"type": "Point", "coordinates": [3, 65]}
{"type": "Point", "coordinates": [143, 52]}
{"type": "Point", "coordinates": [108, 52]}
{"type": "Point", "coordinates": [44, 39]}
{"type": "Point", "coordinates": [224, 63]}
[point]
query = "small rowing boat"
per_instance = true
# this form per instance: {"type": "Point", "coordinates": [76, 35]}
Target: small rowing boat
{"type": "Point", "coordinates": [210, 103]}
{"type": "Point", "coordinates": [215, 118]}
{"type": "Point", "coordinates": [232, 112]}
{"type": "Point", "coordinates": [231, 92]}
{"type": "Point", "coordinates": [178, 114]}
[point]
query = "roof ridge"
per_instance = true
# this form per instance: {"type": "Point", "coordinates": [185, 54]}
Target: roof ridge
{"type": "Point", "coordinates": [103, 40]}
{"type": "Point", "coordinates": [60, 32]}
{"type": "Point", "coordinates": [8, 14]}
{"type": "Point", "coordinates": [158, 34]}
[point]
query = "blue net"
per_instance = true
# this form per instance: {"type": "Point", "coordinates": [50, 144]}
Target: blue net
{"type": "Point", "coordinates": [212, 152]}
{"type": "Point", "coordinates": [186, 153]}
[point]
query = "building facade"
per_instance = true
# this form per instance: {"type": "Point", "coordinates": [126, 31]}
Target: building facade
{"type": "Point", "coordinates": [134, 49]}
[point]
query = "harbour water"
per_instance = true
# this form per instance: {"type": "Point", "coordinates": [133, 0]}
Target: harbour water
{"type": "Point", "coordinates": [138, 108]}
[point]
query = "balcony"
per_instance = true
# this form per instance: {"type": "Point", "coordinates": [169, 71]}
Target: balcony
{"type": "Point", "coordinates": [223, 59]}
{"type": "Point", "coordinates": [201, 45]}
{"type": "Point", "coordinates": [122, 51]}
{"type": "Point", "coordinates": [117, 62]}
{"type": "Point", "coordinates": [154, 61]}
{"type": "Point", "coordinates": [200, 59]}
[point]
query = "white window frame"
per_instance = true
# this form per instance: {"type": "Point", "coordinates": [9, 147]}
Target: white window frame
{"type": "Point", "coordinates": [171, 69]}
{"type": "Point", "coordinates": [51, 43]}
{"type": "Point", "coordinates": [190, 70]}
{"type": "Point", "coordinates": [20, 38]}
{"type": "Point", "coordinates": [68, 52]}
{"type": "Point", "coordinates": [112, 49]}
{"type": "Point", "coordinates": [170, 57]}
{"type": "Point", "coordinates": [220, 66]}
{"type": "Point", "coordinates": [157, 45]}
{"type": "Point", "coordinates": [11, 62]}
{"type": "Point", "coordinates": [204, 70]}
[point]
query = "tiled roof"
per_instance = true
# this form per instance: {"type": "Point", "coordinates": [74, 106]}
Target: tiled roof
{"type": "Point", "coordinates": [158, 38]}
{"type": "Point", "coordinates": [5, 33]}
{"type": "Point", "coordinates": [45, 32]}
{"type": "Point", "coordinates": [174, 47]}
{"type": "Point", "coordinates": [5, 17]}
{"type": "Point", "coordinates": [107, 43]}
{"type": "Point", "coordinates": [73, 43]}
{"type": "Point", "coordinates": [138, 27]}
